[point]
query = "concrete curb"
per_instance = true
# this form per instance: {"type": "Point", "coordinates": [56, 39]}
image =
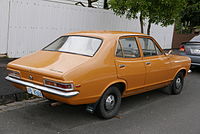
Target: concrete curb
{"type": "Point", "coordinates": [2, 56]}
{"type": "Point", "coordinates": [16, 105]}
{"type": "Point", "coordinates": [5, 99]}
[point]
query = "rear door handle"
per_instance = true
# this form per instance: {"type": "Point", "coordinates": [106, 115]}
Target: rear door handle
{"type": "Point", "coordinates": [122, 66]}
{"type": "Point", "coordinates": [148, 63]}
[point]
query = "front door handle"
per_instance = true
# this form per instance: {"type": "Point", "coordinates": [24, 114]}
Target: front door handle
{"type": "Point", "coordinates": [148, 63]}
{"type": "Point", "coordinates": [122, 66]}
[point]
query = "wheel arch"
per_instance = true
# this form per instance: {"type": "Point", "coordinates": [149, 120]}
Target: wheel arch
{"type": "Point", "coordinates": [184, 70]}
{"type": "Point", "coordinates": [121, 84]}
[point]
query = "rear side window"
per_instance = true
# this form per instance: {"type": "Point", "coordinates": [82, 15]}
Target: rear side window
{"type": "Point", "coordinates": [149, 47]}
{"type": "Point", "coordinates": [81, 45]}
{"type": "Point", "coordinates": [128, 48]}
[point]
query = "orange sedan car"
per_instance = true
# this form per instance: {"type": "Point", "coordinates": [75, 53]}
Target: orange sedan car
{"type": "Point", "coordinates": [98, 68]}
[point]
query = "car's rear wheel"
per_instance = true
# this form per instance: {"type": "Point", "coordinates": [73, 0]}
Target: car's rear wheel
{"type": "Point", "coordinates": [109, 103]}
{"type": "Point", "coordinates": [177, 84]}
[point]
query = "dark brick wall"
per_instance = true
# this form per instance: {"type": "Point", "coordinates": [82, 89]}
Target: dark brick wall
{"type": "Point", "coordinates": [179, 38]}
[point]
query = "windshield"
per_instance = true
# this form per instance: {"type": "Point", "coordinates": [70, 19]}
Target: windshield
{"type": "Point", "coordinates": [75, 44]}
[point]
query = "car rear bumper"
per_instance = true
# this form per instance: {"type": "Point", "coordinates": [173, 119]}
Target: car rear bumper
{"type": "Point", "coordinates": [195, 60]}
{"type": "Point", "coordinates": [43, 88]}
{"type": "Point", "coordinates": [195, 64]}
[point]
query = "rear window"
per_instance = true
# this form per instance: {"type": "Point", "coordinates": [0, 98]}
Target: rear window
{"type": "Point", "coordinates": [81, 45]}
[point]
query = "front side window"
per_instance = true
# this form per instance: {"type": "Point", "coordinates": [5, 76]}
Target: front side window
{"type": "Point", "coordinates": [149, 48]}
{"type": "Point", "coordinates": [75, 44]}
{"type": "Point", "coordinates": [128, 48]}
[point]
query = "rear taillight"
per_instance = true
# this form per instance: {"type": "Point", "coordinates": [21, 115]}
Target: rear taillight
{"type": "Point", "coordinates": [182, 48]}
{"type": "Point", "coordinates": [58, 85]}
{"type": "Point", "coordinates": [65, 86]}
{"type": "Point", "coordinates": [14, 74]}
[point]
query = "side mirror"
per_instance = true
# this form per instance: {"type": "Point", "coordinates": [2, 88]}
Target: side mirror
{"type": "Point", "coordinates": [169, 52]}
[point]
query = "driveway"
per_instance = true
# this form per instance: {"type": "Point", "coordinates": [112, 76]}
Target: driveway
{"type": "Point", "coordinates": [149, 113]}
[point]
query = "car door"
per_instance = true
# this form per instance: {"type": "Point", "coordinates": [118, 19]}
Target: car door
{"type": "Point", "coordinates": [156, 62]}
{"type": "Point", "coordinates": [129, 63]}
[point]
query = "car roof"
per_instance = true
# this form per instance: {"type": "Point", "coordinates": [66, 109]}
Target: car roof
{"type": "Point", "coordinates": [106, 34]}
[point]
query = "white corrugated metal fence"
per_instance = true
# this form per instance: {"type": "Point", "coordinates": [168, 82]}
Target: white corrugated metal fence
{"type": "Point", "coordinates": [35, 23]}
{"type": "Point", "coordinates": [4, 21]}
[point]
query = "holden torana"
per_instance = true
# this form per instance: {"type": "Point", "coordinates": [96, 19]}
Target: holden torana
{"type": "Point", "coordinates": [98, 68]}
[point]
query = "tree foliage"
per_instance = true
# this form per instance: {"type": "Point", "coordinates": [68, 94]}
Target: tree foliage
{"type": "Point", "coordinates": [162, 12]}
{"type": "Point", "coordinates": [190, 16]}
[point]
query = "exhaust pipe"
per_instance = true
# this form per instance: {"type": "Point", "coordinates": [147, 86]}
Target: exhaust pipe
{"type": "Point", "coordinates": [54, 104]}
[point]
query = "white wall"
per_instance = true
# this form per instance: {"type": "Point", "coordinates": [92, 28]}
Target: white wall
{"type": "Point", "coordinates": [35, 23]}
{"type": "Point", "coordinates": [4, 17]}
{"type": "Point", "coordinates": [163, 35]}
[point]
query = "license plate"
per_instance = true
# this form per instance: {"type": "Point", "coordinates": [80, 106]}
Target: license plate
{"type": "Point", "coordinates": [34, 91]}
{"type": "Point", "coordinates": [195, 51]}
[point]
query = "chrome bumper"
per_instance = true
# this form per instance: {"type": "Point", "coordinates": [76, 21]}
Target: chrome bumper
{"type": "Point", "coordinates": [195, 64]}
{"type": "Point", "coordinates": [43, 88]}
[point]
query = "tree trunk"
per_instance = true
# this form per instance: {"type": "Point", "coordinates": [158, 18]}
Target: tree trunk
{"type": "Point", "coordinates": [90, 3]}
{"type": "Point", "coordinates": [105, 5]}
{"type": "Point", "coordinates": [141, 23]}
{"type": "Point", "coordinates": [149, 27]}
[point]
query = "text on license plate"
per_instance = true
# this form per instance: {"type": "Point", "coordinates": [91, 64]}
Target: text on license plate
{"type": "Point", "coordinates": [195, 51]}
{"type": "Point", "coordinates": [34, 91]}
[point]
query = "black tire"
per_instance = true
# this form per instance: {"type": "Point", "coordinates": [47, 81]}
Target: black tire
{"type": "Point", "coordinates": [107, 107]}
{"type": "Point", "coordinates": [177, 84]}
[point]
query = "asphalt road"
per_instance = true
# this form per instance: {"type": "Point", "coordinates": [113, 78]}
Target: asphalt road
{"type": "Point", "coordinates": [148, 113]}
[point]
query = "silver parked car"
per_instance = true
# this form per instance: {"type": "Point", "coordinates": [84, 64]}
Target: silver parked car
{"type": "Point", "coordinates": [192, 50]}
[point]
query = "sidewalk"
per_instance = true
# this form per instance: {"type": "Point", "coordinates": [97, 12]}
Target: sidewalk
{"type": "Point", "coordinates": [8, 93]}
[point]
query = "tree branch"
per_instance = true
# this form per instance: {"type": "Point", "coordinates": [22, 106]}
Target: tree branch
{"type": "Point", "coordinates": [80, 4]}
{"type": "Point", "coordinates": [90, 3]}
{"type": "Point", "coordinates": [149, 27]}
{"type": "Point", "coordinates": [141, 23]}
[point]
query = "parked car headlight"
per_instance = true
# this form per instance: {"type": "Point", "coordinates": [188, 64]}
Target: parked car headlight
{"type": "Point", "coordinates": [14, 74]}
{"type": "Point", "coordinates": [58, 85]}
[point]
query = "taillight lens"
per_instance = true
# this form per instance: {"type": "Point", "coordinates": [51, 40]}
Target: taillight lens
{"type": "Point", "coordinates": [65, 86]}
{"type": "Point", "coordinates": [182, 48]}
{"type": "Point", "coordinates": [61, 86]}
{"type": "Point", "coordinates": [50, 83]}
{"type": "Point", "coordinates": [14, 74]}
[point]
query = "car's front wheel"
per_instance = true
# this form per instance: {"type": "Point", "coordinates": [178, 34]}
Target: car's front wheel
{"type": "Point", "coordinates": [177, 84]}
{"type": "Point", "coordinates": [109, 103]}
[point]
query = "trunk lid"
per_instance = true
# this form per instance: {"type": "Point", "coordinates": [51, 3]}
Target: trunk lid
{"type": "Point", "coordinates": [192, 48]}
{"type": "Point", "coordinates": [47, 64]}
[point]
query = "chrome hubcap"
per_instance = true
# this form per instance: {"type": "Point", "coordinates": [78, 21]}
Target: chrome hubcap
{"type": "Point", "coordinates": [178, 83]}
{"type": "Point", "coordinates": [110, 102]}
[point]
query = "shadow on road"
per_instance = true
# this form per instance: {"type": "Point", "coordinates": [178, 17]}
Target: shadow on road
{"type": "Point", "coordinates": [76, 115]}
{"type": "Point", "coordinates": [195, 69]}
